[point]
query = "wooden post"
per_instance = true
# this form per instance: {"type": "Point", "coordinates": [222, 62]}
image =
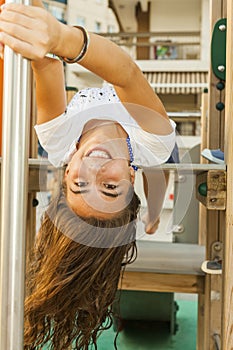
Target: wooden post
{"type": "Point", "coordinates": [202, 219]}
{"type": "Point", "coordinates": [214, 219]}
{"type": "Point", "coordinates": [33, 152]}
{"type": "Point", "coordinates": [143, 21]}
{"type": "Point", "coordinates": [1, 95]}
{"type": "Point", "coordinates": [204, 123]}
{"type": "Point", "coordinates": [227, 319]}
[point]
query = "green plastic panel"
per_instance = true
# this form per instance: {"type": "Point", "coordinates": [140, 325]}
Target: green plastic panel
{"type": "Point", "coordinates": [218, 49]}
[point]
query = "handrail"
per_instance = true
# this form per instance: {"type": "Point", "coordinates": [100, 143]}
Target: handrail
{"type": "Point", "coordinates": [150, 34]}
{"type": "Point", "coordinates": [14, 190]}
{"type": "Point", "coordinates": [176, 44]}
{"type": "Point", "coordinates": [36, 163]}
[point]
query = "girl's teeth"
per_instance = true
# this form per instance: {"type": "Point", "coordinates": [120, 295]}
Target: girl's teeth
{"type": "Point", "coordinates": [99, 154]}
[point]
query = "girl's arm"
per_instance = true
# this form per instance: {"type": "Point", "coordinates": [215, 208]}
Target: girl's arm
{"type": "Point", "coordinates": [33, 32]}
{"type": "Point", "coordinates": [24, 29]}
{"type": "Point", "coordinates": [155, 186]}
{"type": "Point", "coordinates": [114, 65]}
{"type": "Point", "coordinates": [50, 89]}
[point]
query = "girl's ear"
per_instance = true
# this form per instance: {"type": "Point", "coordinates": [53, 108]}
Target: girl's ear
{"type": "Point", "coordinates": [67, 170]}
{"type": "Point", "coordinates": [132, 175]}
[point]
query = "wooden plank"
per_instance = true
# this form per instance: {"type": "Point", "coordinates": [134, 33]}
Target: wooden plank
{"type": "Point", "coordinates": [227, 319]}
{"type": "Point", "coordinates": [162, 282]}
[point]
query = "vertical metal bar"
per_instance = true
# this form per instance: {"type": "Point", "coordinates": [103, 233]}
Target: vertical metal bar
{"type": "Point", "coordinates": [16, 103]}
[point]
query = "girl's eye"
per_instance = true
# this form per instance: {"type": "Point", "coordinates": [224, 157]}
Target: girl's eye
{"type": "Point", "coordinates": [110, 186]}
{"type": "Point", "coordinates": [81, 183]}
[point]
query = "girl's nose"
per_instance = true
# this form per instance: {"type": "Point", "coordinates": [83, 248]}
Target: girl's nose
{"type": "Point", "coordinates": [95, 164]}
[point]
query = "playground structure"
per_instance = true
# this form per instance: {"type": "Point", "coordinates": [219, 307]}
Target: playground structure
{"type": "Point", "coordinates": [215, 304]}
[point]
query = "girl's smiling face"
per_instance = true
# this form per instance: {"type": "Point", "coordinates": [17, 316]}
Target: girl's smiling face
{"type": "Point", "coordinates": [98, 177]}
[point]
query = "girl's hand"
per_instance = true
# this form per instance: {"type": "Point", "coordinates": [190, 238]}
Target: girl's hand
{"type": "Point", "coordinates": [150, 226]}
{"type": "Point", "coordinates": [28, 30]}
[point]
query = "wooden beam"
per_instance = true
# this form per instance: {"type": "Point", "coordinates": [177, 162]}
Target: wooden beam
{"type": "Point", "coordinates": [162, 282]}
{"type": "Point", "coordinates": [143, 23]}
{"type": "Point", "coordinates": [227, 319]}
{"type": "Point", "coordinates": [215, 137]}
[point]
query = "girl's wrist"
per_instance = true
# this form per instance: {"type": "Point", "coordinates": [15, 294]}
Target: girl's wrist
{"type": "Point", "coordinates": [43, 64]}
{"type": "Point", "coordinates": [70, 42]}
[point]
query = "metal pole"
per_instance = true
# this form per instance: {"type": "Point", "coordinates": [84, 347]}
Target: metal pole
{"type": "Point", "coordinates": [14, 198]}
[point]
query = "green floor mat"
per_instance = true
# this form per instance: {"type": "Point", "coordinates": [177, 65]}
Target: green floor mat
{"type": "Point", "coordinates": [154, 335]}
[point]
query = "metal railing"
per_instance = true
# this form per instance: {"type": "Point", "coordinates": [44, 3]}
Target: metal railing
{"type": "Point", "coordinates": [177, 45]}
{"type": "Point", "coordinates": [14, 180]}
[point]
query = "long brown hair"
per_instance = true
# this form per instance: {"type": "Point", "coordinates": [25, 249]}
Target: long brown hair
{"type": "Point", "coordinates": [73, 275]}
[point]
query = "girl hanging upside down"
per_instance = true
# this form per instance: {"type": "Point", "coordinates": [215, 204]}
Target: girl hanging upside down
{"type": "Point", "coordinates": [102, 137]}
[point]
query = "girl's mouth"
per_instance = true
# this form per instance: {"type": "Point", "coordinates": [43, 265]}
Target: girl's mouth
{"type": "Point", "coordinates": [98, 153]}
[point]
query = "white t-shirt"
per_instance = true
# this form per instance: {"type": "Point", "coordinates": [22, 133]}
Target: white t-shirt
{"type": "Point", "coordinates": [60, 135]}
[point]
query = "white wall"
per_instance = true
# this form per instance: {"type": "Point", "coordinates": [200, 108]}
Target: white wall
{"type": "Point", "coordinates": [92, 11]}
{"type": "Point", "coordinates": [179, 15]}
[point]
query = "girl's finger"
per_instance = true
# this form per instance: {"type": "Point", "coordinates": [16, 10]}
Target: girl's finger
{"type": "Point", "coordinates": [17, 19]}
{"type": "Point", "coordinates": [25, 49]}
{"type": "Point", "coordinates": [16, 31]}
{"type": "Point", "coordinates": [31, 11]}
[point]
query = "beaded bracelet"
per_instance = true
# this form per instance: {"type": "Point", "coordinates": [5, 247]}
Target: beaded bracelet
{"type": "Point", "coordinates": [86, 41]}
